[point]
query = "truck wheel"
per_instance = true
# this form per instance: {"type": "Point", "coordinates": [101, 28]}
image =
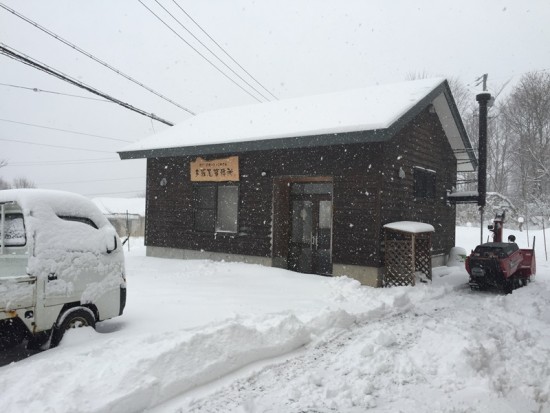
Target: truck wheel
{"type": "Point", "coordinates": [72, 318]}
{"type": "Point", "coordinates": [36, 342]}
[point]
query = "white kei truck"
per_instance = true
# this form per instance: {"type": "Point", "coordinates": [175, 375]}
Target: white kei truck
{"type": "Point", "coordinates": [61, 266]}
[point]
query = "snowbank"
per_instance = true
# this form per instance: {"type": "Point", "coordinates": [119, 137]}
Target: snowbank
{"type": "Point", "coordinates": [344, 347]}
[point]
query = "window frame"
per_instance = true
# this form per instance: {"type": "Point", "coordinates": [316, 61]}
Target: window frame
{"type": "Point", "coordinates": [11, 216]}
{"type": "Point", "coordinates": [424, 183]}
{"type": "Point", "coordinates": [82, 220]}
{"type": "Point", "coordinates": [205, 207]}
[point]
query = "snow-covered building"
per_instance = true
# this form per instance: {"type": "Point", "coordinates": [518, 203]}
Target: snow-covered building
{"type": "Point", "coordinates": [308, 183]}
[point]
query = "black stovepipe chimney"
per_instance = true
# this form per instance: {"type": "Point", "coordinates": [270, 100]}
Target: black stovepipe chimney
{"type": "Point", "coordinates": [483, 100]}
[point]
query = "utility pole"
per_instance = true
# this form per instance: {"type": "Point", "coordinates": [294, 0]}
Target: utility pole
{"type": "Point", "coordinates": [482, 80]}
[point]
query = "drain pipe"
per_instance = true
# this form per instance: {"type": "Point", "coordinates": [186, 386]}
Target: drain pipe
{"type": "Point", "coordinates": [483, 99]}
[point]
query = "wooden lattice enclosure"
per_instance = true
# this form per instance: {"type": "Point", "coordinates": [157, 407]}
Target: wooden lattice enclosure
{"type": "Point", "coordinates": [408, 253]}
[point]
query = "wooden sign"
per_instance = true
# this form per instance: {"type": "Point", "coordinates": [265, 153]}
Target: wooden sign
{"type": "Point", "coordinates": [216, 170]}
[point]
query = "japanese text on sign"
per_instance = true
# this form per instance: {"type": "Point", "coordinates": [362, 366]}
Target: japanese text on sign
{"type": "Point", "coordinates": [216, 170]}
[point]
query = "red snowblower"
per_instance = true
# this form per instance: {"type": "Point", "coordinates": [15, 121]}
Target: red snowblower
{"type": "Point", "coordinates": [501, 265]}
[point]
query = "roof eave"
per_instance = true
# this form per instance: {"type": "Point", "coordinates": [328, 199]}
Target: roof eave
{"type": "Point", "coordinates": [376, 135]}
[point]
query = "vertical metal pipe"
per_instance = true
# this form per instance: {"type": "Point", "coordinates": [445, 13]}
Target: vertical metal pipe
{"type": "Point", "coordinates": [481, 210]}
{"type": "Point", "coordinates": [483, 99]}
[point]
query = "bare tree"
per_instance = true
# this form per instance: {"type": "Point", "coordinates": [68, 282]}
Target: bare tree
{"type": "Point", "coordinates": [499, 157]}
{"type": "Point", "coordinates": [526, 117]}
{"type": "Point", "coordinates": [23, 183]}
{"type": "Point", "coordinates": [4, 184]}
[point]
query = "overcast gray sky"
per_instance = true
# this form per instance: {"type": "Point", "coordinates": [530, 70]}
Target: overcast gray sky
{"type": "Point", "coordinates": [293, 47]}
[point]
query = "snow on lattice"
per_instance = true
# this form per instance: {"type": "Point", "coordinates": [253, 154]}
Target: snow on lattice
{"type": "Point", "coordinates": [410, 226]}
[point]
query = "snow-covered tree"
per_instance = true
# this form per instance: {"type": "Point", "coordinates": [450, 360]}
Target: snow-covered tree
{"type": "Point", "coordinates": [526, 120]}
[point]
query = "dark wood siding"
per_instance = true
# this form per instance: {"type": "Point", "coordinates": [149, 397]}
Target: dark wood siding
{"type": "Point", "coordinates": [422, 143]}
{"type": "Point", "coordinates": [356, 221]}
{"type": "Point", "coordinates": [368, 192]}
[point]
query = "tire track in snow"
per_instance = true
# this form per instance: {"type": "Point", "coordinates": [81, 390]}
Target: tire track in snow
{"type": "Point", "coordinates": [453, 352]}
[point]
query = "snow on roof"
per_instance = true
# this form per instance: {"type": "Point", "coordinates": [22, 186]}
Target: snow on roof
{"type": "Point", "coordinates": [371, 108]}
{"type": "Point", "coordinates": [61, 203]}
{"type": "Point", "coordinates": [410, 226]}
{"type": "Point", "coordinates": [111, 206]}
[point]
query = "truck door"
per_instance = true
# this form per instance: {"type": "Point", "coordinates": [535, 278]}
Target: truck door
{"type": "Point", "coordinates": [16, 287]}
{"type": "Point", "coordinates": [74, 262]}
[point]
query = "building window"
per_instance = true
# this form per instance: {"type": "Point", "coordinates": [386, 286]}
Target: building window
{"type": "Point", "coordinates": [424, 183]}
{"type": "Point", "coordinates": [216, 207]}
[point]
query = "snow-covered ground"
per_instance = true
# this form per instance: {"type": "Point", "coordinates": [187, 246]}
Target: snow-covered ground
{"type": "Point", "coordinates": [199, 336]}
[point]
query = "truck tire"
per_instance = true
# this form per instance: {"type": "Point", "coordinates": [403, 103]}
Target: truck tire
{"type": "Point", "coordinates": [75, 317]}
{"type": "Point", "coordinates": [38, 341]}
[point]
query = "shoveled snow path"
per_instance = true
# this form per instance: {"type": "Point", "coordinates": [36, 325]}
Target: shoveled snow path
{"type": "Point", "coordinates": [478, 352]}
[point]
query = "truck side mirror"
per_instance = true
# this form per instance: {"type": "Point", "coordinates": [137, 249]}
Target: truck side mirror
{"type": "Point", "coordinates": [114, 247]}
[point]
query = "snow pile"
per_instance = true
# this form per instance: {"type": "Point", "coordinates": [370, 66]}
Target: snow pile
{"type": "Point", "coordinates": [442, 350]}
{"type": "Point", "coordinates": [161, 366]}
{"type": "Point", "coordinates": [199, 336]}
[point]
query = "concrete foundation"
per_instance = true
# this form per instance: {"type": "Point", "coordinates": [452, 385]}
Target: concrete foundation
{"type": "Point", "coordinates": [163, 252]}
{"type": "Point", "coordinates": [370, 276]}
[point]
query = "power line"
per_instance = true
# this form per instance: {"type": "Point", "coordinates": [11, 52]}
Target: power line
{"type": "Point", "coordinates": [223, 50]}
{"type": "Point", "coordinates": [15, 55]}
{"type": "Point", "coordinates": [35, 89]}
{"type": "Point", "coordinates": [207, 48]}
{"type": "Point", "coordinates": [54, 146]}
{"type": "Point", "coordinates": [64, 130]}
{"type": "Point", "coordinates": [107, 65]}
{"type": "Point", "coordinates": [63, 162]}
{"type": "Point", "coordinates": [118, 192]}
{"type": "Point", "coordinates": [199, 53]}
{"type": "Point", "coordinates": [90, 181]}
